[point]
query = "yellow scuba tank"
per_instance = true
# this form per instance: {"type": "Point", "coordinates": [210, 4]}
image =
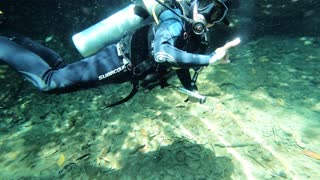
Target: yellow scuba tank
{"type": "Point", "coordinates": [109, 30]}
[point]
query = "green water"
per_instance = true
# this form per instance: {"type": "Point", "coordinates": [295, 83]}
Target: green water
{"type": "Point", "coordinates": [260, 121]}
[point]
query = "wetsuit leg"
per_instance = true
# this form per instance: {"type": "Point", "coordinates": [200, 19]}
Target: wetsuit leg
{"type": "Point", "coordinates": [23, 60]}
{"type": "Point", "coordinates": [185, 78]}
{"type": "Point", "coordinates": [52, 58]}
{"type": "Point", "coordinates": [103, 67]}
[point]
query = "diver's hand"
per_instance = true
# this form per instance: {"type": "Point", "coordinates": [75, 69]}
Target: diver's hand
{"type": "Point", "coordinates": [225, 59]}
{"type": "Point", "coordinates": [221, 54]}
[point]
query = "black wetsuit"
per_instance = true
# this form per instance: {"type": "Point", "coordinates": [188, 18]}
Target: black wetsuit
{"type": "Point", "coordinates": [47, 71]}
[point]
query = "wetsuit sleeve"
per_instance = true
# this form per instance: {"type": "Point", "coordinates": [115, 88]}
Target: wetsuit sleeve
{"type": "Point", "coordinates": [166, 36]}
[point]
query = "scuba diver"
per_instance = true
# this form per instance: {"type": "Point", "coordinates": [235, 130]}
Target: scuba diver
{"type": "Point", "coordinates": [144, 56]}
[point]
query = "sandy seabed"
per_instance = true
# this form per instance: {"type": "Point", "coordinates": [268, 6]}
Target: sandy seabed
{"type": "Point", "coordinates": [261, 121]}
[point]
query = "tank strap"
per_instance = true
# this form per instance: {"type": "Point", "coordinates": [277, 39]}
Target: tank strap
{"type": "Point", "coordinates": [140, 11]}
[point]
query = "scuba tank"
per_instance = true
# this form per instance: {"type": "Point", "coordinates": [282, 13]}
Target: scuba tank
{"type": "Point", "coordinates": [150, 4]}
{"type": "Point", "coordinates": [110, 30]}
{"type": "Point", "coordinates": [107, 31]}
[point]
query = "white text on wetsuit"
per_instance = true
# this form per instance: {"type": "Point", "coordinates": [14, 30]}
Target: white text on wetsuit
{"type": "Point", "coordinates": [108, 74]}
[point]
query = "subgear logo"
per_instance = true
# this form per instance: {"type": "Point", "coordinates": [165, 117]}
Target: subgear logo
{"type": "Point", "coordinates": [111, 73]}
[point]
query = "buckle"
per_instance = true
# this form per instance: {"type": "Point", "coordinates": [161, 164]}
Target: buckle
{"type": "Point", "coordinates": [119, 50]}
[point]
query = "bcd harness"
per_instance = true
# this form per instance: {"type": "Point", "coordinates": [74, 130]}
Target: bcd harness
{"type": "Point", "coordinates": [136, 48]}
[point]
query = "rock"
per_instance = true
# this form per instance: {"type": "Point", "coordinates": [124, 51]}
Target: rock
{"type": "Point", "coordinates": [180, 156]}
{"type": "Point", "coordinates": [193, 164]}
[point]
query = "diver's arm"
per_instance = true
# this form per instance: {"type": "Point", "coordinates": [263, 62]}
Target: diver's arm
{"type": "Point", "coordinates": [176, 57]}
{"type": "Point", "coordinates": [168, 31]}
{"type": "Point", "coordinates": [221, 54]}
